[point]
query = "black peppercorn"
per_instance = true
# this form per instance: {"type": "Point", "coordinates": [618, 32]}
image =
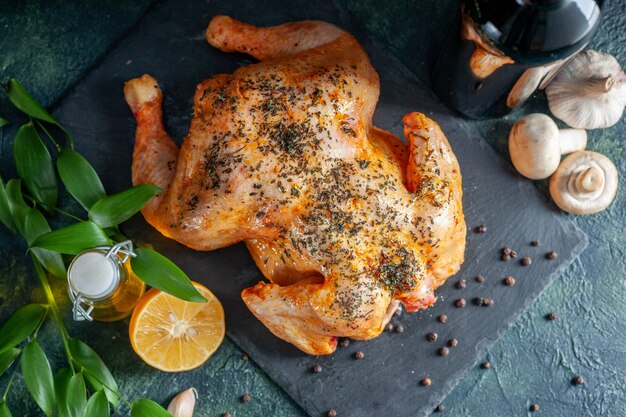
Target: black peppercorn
{"type": "Point", "coordinates": [317, 369]}
{"type": "Point", "coordinates": [426, 382]}
{"type": "Point", "coordinates": [453, 342]}
{"type": "Point", "coordinates": [505, 257]}
{"type": "Point", "coordinates": [460, 303]}
{"type": "Point", "coordinates": [536, 243]}
{"type": "Point", "coordinates": [440, 408]}
{"type": "Point", "coordinates": [485, 365]}
{"type": "Point", "coordinates": [481, 229]}
{"type": "Point", "coordinates": [431, 337]}
{"type": "Point", "coordinates": [534, 407]}
{"type": "Point", "coordinates": [552, 316]}
{"type": "Point", "coordinates": [460, 284]}
{"type": "Point", "coordinates": [359, 355]}
{"type": "Point", "coordinates": [399, 328]}
{"type": "Point", "coordinates": [443, 318]}
{"type": "Point", "coordinates": [345, 342]}
{"type": "Point", "coordinates": [479, 301]}
{"type": "Point", "coordinates": [389, 327]}
{"type": "Point", "coordinates": [331, 413]}
{"type": "Point", "coordinates": [245, 357]}
{"type": "Point", "coordinates": [487, 302]}
{"type": "Point", "coordinates": [552, 255]}
{"type": "Point", "coordinates": [579, 380]}
{"type": "Point", "coordinates": [246, 398]}
{"type": "Point", "coordinates": [443, 351]}
{"type": "Point", "coordinates": [480, 279]}
{"type": "Point", "coordinates": [526, 261]}
{"type": "Point", "coordinates": [509, 281]}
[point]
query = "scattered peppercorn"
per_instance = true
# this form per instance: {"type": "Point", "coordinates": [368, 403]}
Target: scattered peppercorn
{"type": "Point", "coordinates": [245, 357]}
{"type": "Point", "coordinates": [389, 327]}
{"type": "Point", "coordinates": [359, 355]}
{"type": "Point", "coordinates": [453, 342]}
{"type": "Point", "coordinates": [552, 255]}
{"type": "Point", "coordinates": [505, 257]}
{"type": "Point", "coordinates": [443, 318]}
{"type": "Point", "coordinates": [536, 243]}
{"type": "Point", "coordinates": [345, 342]}
{"type": "Point", "coordinates": [534, 407]}
{"type": "Point", "coordinates": [579, 380]}
{"type": "Point", "coordinates": [526, 261]}
{"type": "Point", "coordinates": [426, 382]}
{"type": "Point", "coordinates": [487, 302]}
{"type": "Point", "coordinates": [246, 398]}
{"type": "Point", "coordinates": [317, 369]}
{"type": "Point", "coordinates": [480, 279]}
{"type": "Point", "coordinates": [399, 328]}
{"type": "Point", "coordinates": [479, 301]}
{"type": "Point", "coordinates": [485, 365]}
{"type": "Point", "coordinates": [331, 413]}
{"type": "Point", "coordinates": [443, 351]}
{"type": "Point", "coordinates": [552, 316]}
{"type": "Point", "coordinates": [460, 303]}
{"type": "Point", "coordinates": [460, 284]}
{"type": "Point", "coordinates": [431, 337]}
{"type": "Point", "coordinates": [513, 254]}
{"type": "Point", "coordinates": [506, 250]}
{"type": "Point", "coordinates": [227, 415]}
{"type": "Point", "coordinates": [481, 229]}
{"type": "Point", "coordinates": [440, 408]}
{"type": "Point", "coordinates": [509, 281]}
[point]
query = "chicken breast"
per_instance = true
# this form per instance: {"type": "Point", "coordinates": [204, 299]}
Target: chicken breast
{"type": "Point", "coordinates": [343, 219]}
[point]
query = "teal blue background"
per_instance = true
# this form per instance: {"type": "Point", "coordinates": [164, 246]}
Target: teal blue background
{"type": "Point", "coordinates": [49, 45]}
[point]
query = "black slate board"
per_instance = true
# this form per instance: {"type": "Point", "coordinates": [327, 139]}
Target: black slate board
{"type": "Point", "coordinates": [169, 44]}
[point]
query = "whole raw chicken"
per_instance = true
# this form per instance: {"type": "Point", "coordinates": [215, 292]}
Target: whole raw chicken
{"type": "Point", "coordinates": [341, 217]}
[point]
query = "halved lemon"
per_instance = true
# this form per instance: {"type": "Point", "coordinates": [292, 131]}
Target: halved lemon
{"type": "Point", "coordinates": [173, 335]}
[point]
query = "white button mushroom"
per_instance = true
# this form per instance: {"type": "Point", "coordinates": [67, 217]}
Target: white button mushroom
{"type": "Point", "coordinates": [536, 145]}
{"type": "Point", "coordinates": [589, 92]}
{"type": "Point", "coordinates": [585, 183]}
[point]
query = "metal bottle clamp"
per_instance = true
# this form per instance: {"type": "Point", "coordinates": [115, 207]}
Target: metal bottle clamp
{"type": "Point", "coordinates": [80, 312]}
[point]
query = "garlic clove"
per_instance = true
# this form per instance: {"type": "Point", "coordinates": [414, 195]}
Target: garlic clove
{"type": "Point", "coordinates": [589, 92]}
{"type": "Point", "coordinates": [183, 404]}
{"type": "Point", "coordinates": [585, 183]}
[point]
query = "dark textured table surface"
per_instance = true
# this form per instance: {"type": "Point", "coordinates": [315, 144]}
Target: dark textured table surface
{"type": "Point", "coordinates": [50, 46]}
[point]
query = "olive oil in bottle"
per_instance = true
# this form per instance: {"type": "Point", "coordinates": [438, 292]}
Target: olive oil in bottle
{"type": "Point", "coordinates": [102, 285]}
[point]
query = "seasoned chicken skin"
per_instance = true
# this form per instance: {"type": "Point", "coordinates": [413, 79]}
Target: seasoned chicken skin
{"type": "Point", "coordinates": [342, 218]}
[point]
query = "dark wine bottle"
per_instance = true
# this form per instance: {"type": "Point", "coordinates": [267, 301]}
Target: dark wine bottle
{"type": "Point", "coordinates": [503, 50]}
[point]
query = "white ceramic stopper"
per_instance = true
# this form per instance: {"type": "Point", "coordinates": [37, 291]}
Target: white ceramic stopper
{"type": "Point", "coordinates": [93, 275]}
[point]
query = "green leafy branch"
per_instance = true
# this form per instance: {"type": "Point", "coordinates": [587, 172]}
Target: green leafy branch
{"type": "Point", "coordinates": [86, 387]}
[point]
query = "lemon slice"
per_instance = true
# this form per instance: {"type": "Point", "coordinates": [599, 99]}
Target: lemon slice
{"type": "Point", "coordinates": [173, 335]}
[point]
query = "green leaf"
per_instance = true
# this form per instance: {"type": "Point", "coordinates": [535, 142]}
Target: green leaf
{"type": "Point", "coordinates": [5, 211]}
{"type": "Point", "coordinates": [3, 121]}
{"type": "Point", "coordinates": [4, 409]}
{"type": "Point", "coordinates": [38, 377]}
{"type": "Point", "coordinates": [27, 104]}
{"type": "Point", "coordinates": [95, 371]}
{"type": "Point", "coordinates": [159, 272]}
{"type": "Point", "coordinates": [21, 325]}
{"type": "Point", "coordinates": [97, 405]}
{"type": "Point", "coordinates": [147, 408]}
{"type": "Point", "coordinates": [117, 208]}
{"type": "Point", "coordinates": [7, 358]}
{"type": "Point", "coordinates": [76, 396]}
{"type": "Point", "coordinates": [73, 239]}
{"type": "Point", "coordinates": [61, 382]}
{"type": "Point", "coordinates": [17, 206]}
{"type": "Point", "coordinates": [34, 164]}
{"type": "Point", "coordinates": [35, 226]}
{"type": "Point", "coordinates": [79, 178]}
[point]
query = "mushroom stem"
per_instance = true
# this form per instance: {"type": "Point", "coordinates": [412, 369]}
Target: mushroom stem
{"type": "Point", "coordinates": [600, 85]}
{"type": "Point", "coordinates": [589, 180]}
{"type": "Point", "coordinates": [572, 140]}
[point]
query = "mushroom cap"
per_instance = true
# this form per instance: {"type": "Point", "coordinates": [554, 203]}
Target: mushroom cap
{"type": "Point", "coordinates": [534, 146]}
{"type": "Point", "coordinates": [589, 92]}
{"type": "Point", "coordinates": [585, 183]}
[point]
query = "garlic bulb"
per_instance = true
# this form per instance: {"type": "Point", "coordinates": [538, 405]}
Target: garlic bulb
{"type": "Point", "coordinates": [183, 404]}
{"type": "Point", "coordinates": [589, 92]}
